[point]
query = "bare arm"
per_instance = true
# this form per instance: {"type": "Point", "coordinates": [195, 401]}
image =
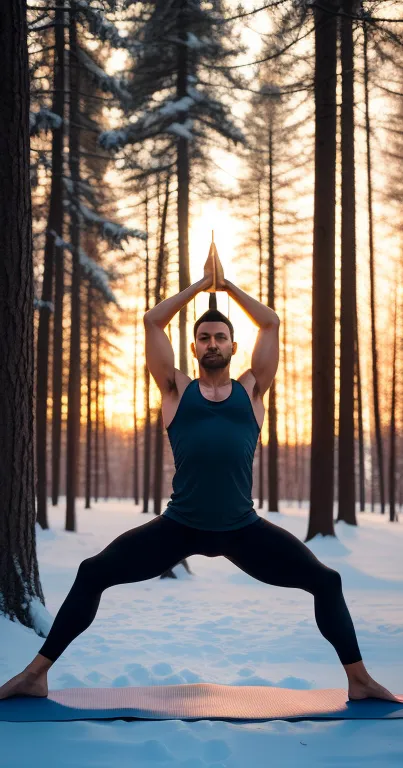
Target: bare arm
{"type": "Point", "coordinates": [260, 314]}
{"type": "Point", "coordinates": [160, 357]}
{"type": "Point", "coordinates": [163, 312]}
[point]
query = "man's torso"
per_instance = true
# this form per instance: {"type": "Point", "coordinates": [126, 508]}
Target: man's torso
{"type": "Point", "coordinates": [170, 401]}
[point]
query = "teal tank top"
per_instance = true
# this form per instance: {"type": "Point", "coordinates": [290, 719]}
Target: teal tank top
{"type": "Point", "coordinates": [213, 445]}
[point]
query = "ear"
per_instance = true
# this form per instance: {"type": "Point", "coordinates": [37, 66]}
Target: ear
{"type": "Point", "coordinates": [234, 347]}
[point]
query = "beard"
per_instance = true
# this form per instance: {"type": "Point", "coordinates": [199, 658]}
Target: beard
{"type": "Point", "coordinates": [216, 362]}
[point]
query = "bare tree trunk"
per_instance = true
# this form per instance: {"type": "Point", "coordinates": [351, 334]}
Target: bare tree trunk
{"type": "Point", "coordinates": [393, 516]}
{"type": "Point", "coordinates": [359, 414]}
{"type": "Point", "coordinates": [296, 435]}
{"type": "Point", "coordinates": [183, 185]}
{"type": "Point", "coordinates": [54, 217]}
{"type": "Point", "coordinates": [272, 449]}
{"type": "Point", "coordinates": [136, 439]}
{"type": "Point", "coordinates": [57, 224]}
{"type": "Point", "coordinates": [97, 379]}
{"type": "Point", "coordinates": [105, 441]}
{"type": "Point", "coordinates": [19, 574]}
{"type": "Point", "coordinates": [74, 386]}
{"type": "Point", "coordinates": [346, 462]}
{"type": "Point", "coordinates": [323, 291]}
{"type": "Point", "coordinates": [158, 462]}
{"type": "Point", "coordinates": [377, 416]}
{"type": "Point", "coordinates": [89, 400]}
{"type": "Point", "coordinates": [147, 424]}
{"type": "Point", "coordinates": [159, 295]}
{"type": "Point", "coordinates": [260, 243]}
{"type": "Point", "coordinates": [286, 402]}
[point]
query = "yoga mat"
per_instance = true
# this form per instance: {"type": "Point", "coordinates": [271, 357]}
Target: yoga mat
{"type": "Point", "coordinates": [196, 701]}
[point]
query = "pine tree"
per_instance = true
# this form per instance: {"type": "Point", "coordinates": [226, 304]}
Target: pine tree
{"type": "Point", "coordinates": [19, 575]}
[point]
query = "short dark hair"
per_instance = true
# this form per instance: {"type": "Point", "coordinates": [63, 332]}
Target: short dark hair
{"type": "Point", "coordinates": [213, 316]}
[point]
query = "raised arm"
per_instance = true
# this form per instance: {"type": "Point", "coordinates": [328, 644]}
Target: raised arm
{"type": "Point", "coordinates": [160, 358]}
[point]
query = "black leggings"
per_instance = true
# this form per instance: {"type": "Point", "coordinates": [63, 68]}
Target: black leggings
{"type": "Point", "coordinates": [261, 549]}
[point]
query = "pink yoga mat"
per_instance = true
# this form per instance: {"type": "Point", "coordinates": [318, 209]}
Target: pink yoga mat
{"type": "Point", "coordinates": [196, 701]}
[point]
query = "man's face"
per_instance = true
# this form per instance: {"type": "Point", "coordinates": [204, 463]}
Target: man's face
{"type": "Point", "coordinates": [213, 347]}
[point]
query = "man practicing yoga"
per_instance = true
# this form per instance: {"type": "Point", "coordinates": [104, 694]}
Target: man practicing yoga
{"type": "Point", "coordinates": [213, 424]}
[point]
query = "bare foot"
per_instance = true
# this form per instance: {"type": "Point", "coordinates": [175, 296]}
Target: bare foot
{"type": "Point", "coordinates": [25, 684]}
{"type": "Point", "coordinates": [370, 689]}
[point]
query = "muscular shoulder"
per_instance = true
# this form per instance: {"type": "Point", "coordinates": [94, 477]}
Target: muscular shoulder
{"type": "Point", "coordinates": [179, 383]}
{"type": "Point", "coordinates": [248, 380]}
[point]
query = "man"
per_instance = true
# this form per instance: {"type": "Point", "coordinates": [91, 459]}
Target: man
{"type": "Point", "coordinates": [213, 424]}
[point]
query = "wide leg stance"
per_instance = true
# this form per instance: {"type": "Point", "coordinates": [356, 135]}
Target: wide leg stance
{"type": "Point", "coordinates": [272, 555]}
{"type": "Point", "coordinates": [137, 555]}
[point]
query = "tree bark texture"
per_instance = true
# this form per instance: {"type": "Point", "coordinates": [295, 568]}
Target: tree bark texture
{"type": "Point", "coordinates": [346, 464]}
{"type": "Point", "coordinates": [19, 575]}
{"type": "Point", "coordinates": [323, 277]}
{"type": "Point", "coordinates": [57, 225]}
{"type": "Point", "coordinates": [74, 385]}
{"type": "Point", "coordinates": [183, 174]}
{"type": "Point", "coordinates": [272, 450]}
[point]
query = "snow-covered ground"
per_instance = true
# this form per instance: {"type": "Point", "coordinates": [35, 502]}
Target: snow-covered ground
{"type": "Point", "coordinates": [217, 625]}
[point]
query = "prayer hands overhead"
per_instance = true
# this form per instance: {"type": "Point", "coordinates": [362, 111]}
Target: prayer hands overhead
{"type": "Point", "coordinates": [213, 268]}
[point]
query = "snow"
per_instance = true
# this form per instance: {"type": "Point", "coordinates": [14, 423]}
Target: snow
{"type": "Point", "coordinates": [43, 120]}
{"type": "Point", "coordinates": [94, 272]}
{"type": "Point", "coordinates": [182, 129]}
{"type": "Point", "coordinates": [39, 304]}
{"type": "Point", "coordinates": [218, 625]}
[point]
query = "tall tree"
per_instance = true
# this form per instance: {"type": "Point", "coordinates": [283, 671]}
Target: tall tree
{"type": "Point", "coordinates": [177, 71]}
{"type": "Point", "coordinates": [19, 575]}
{"type": "Point", "coordinates": [323, 280]}
{"type": "Point", "coordinates": [53, 254]}
{"type": "Point", "coordinates": [346, 463]}
{"type": "Point", "coordinates": [393, 517]}
{"type": "Point", "coordinates": [74, 386]}
{"type": "Point", "coordinates": [374, 341]}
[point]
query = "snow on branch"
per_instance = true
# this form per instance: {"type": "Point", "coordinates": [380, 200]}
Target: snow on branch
{"type": "Point", "coordinates": [182, 129]}
{"type": "Point", "coordinates": [150, 124]}
{"type": "Point", "coordinates": [99, 26]}
{"type": "Point", "coordinates": [166, 118]}
{"type": "Point", "coordinates": [97, 276]}
{"type": "Point", "coordinates": [44, 120]}
{"type": "Point", "coordinates": [39, 304]}
{"type": "Point", "coordinates": [113, 232]}
{"type": "Point", "coordinates": [107, 83]}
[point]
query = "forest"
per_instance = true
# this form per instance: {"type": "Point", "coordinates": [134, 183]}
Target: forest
{"type": "Point", "coordinates": [130, 130]}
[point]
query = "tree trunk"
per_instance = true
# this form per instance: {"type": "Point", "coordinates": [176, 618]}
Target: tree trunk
{"type": "Point", "coordinates": [53, 229]}
{"type": "Point", "coordinates": [359, 414]}
{"type": "Point", "coordinates": [147, 424]}
{"type": "Point", "coordinates": [346, 464]}
{"type": "Point", "coordinates": [183, 186]}
{"type": "Point", "coordinates": [136, 438]}
{"type": "Point", "coordinates": [159, 295]}
{"type": "Point", "coordinates": [158, 462]}
{"type": "Point", "coordinates": [73, 414]}
{"type": "Point", "coordinates": [89, 399]}
{"type": "Point", "coordinates": [58, 253]}
{"type": "Point", "coordinates": [323, 291]}
{"type": "Point", "coordinates": [393, 516]}
{"type": "Point", "coordinates": [97, 378]}
{"type": "Point", "coordinates": [374, 347]}
{"type": "Point", "coordinates": [272, 452]}
{"type": "Point", "coordinates": [19, 574]}
{"type": "Point", "coordinates": [260, 242]}
{"type": "Point", "coordinates": [105, 442]}
{"type": "Point", "coordinates": [297, 470]}
{"type": "Point", "coordinates": [286, 401]}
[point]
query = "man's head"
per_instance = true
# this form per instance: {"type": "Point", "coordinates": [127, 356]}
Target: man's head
{"type": "Point", "coordinates": [214, 342]}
